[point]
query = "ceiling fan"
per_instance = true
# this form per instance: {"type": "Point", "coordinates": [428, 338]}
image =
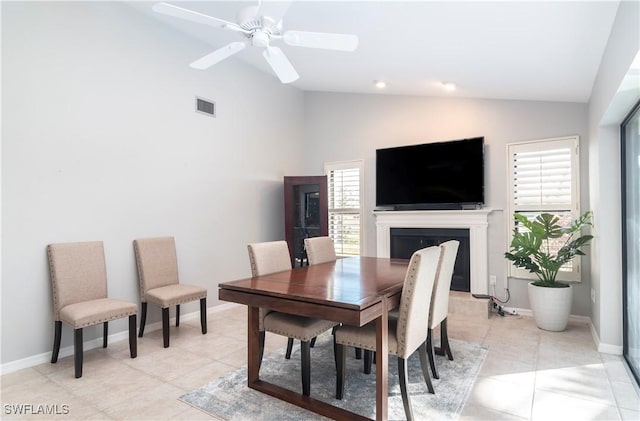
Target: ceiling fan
{"type": "Point", "coordinates": [260, 31]}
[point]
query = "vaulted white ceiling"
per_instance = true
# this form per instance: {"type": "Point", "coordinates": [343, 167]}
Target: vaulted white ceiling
{"type": "Point", "coordinates": [547, 51]}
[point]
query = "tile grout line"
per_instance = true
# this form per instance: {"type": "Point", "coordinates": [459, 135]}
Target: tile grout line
{"type": "Point", "coordinates": [535, 376]}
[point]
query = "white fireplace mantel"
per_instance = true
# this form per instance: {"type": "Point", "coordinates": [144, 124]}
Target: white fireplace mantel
{"type": "Point", "coordinates": [476, 221]}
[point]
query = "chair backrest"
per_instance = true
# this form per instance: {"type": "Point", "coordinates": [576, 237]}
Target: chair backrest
{"type": "Point", "coordinates": [411, 331]}
{"type": "Point", "coordinates": [320, 250]}
{"type": "Point", "coordinates": [440, 296]}
{"type": "Point", "coordinates": [78, 273]}
{"type": "Point", "coordinates": [266, 258]}
{"type": "Point", "coordinates": [269, 257]}
{"type": "Point", "coordinates": [157, 263]}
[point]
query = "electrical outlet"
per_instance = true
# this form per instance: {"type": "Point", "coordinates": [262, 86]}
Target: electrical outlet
{"type": "Point", "coordinates": [593, 295]}
{"type": "Point", "coordinates": [492, 280]}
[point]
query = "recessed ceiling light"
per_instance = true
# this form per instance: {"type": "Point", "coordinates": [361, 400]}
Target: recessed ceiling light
{"type": "Point", "coordinates": [449, 86]}
{"type": "Point", "coordinates": [380, 84]}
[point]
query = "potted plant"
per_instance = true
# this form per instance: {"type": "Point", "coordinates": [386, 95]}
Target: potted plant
{"type": "Point", "coordinates": [542, 247]}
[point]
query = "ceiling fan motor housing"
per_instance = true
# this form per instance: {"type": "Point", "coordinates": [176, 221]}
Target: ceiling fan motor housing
{"type": "Point", "coordinates": [260, 38]}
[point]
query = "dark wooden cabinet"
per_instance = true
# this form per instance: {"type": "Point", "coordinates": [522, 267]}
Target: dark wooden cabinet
{"type": "Point", "coordinates": [305, 213]}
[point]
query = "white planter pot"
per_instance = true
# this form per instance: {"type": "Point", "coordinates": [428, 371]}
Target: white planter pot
{"type": "Point", "coordinates": [550, 306]}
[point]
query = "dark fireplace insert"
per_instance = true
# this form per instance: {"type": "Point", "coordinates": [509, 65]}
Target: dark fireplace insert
{"type": "Point", "coordinates": [405, 241]}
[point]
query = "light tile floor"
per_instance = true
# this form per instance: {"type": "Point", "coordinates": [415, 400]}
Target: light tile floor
{"type": "Point", "coordinates": [528, 373]}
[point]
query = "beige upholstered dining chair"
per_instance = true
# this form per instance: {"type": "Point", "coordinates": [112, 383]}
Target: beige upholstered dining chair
{"type": "Point", "coordinates": [319, 250]}
{"type": "Point", "coordinates": [273, 257]}
{"type": "Point", "coordinates": [407, 334]}
{"type": "Point", "coordinates": [158, 278]}
{"type": "Point", "coordinates": [439, 307]}
{"type": "Point", "coordinates": [79, 280]}
{"type": "Point", "coordinates": [266, 258]}
{"type": "Point", "coordinates": [440, 302]}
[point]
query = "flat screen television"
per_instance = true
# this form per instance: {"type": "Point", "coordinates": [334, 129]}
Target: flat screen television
{"type": "Point", "coordinates": [441, 175]}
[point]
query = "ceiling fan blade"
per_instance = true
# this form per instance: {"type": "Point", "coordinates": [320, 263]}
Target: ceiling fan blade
{"type": "Point", "coordinates": [179, 12]}
{"type": "Point", "coordinates": [280, 64]}
{"type": "Point", "coordinates": [273, 9]}
{"type": "Point", "coordinates": [340, 42]}
{"type": "Point", "coordinates": [218, 55]}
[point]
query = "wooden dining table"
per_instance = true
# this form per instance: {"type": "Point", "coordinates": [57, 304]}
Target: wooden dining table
{"type": "Point", "coordinates": [352, 291]}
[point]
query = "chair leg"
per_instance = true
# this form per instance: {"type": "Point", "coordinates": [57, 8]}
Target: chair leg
{"type": "Point", "coordinates": [341, 360]}
{"type": "Point", "coordinates": [444, 339]}
{"type": "Point", "coordinates": [56, 341]}
{"type": "Point", "coordinates": [335, 349]}
{"type": "Point", "coordinates": [261, 335]}
{"type": "Point", "coordinates": [133, 340]}
{"type": "Point", "coordinates": [177, 315]}
{"type": "Point", "coordinates": [143, 320]}
{"type": "Point", "coordinates": [429, 351]}
{"type": "Point", "coordinates": [165, 326]}
{"type": "Point", "coordinates": [402, 373]}
{"type": "Point", "coordinates": [105, 334]}
{"type": "Point", "coordinates": [77, 352]}
{"type": "Point", "coordinates": [367, 361]}
{"type": "Point", "coordinates": [313, 342]}
{"type": "Point", "coordinates": [305, 360]}
{"type": "Point", "coordinates": [422, 350]}
{"type": "Point", "coordinates": [203, 315]}
{"type": "Point", "coordinates": [358, 353]}
{"type": "Point", "coordinates": [287, 355]}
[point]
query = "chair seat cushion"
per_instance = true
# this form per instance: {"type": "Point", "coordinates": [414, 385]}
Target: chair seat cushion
{"type": "Point", "coordinates": [175, 294]}
{"type": "Point", "coordinates": [296, 327]}
{"type": "Point", "coordinates": [88, 313]}
{"type": "Point", "coordinates": [365, 336]}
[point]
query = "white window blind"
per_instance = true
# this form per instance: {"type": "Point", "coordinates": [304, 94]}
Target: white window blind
{"type": "Point", "coordinates": [544, 177]}
{"type": "Point", "coordinates": [345, 206]}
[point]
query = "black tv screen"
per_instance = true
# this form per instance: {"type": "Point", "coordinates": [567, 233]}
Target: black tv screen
{"type": "Point", "coordinates": [441, 175]}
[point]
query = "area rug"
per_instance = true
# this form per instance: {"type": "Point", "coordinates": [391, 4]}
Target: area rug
{"type": "Point", "coordinates": [229, 398]}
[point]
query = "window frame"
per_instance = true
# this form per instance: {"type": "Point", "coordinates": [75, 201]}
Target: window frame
{"type": "Point", "coordinates": [343, 165]}
{"type": "Point", "coordinates": [540, 145]}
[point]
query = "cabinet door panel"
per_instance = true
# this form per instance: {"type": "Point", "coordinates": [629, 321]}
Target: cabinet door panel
{"type": "Point", "coordinates": [305, 204]}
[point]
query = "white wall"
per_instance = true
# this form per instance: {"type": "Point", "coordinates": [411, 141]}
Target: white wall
{"type": "Point", "coordinates": [608, 106]}
{"type": "Point", "coordinates": [100, 141]}
{"type": "Point", "coordinates": [352, 126]}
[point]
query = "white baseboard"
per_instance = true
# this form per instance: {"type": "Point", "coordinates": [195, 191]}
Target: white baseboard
{"type": "Point", "coordinates": [576, 318]}
{"type": "Point", "coordinates": [572, 317]}
{"type": "Point", "coordinates": [602, 347]}
{"type": "Point", "coordinates": [45, 357]}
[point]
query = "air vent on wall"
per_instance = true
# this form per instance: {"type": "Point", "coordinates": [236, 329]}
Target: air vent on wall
{"type": "Point", "coordinates": [205, 106]}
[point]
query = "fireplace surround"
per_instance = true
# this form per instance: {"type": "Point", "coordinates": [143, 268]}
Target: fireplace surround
{"type": "Point", "coordinates": [476, 221]}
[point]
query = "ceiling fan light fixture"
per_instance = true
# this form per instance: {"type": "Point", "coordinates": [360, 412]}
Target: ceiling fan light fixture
{"type": "Point", "coordinates": [449, 86]}
{"type": "Point", "coordinates": [380, 84]}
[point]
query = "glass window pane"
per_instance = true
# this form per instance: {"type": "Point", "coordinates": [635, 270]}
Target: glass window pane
{"type": "Point", "coordinates": [345, 198]}
{"type": "Point", "coordinates": [631, 231]}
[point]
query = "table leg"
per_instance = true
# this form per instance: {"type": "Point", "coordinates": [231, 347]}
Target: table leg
{"type": "Point", "coordinates": [382, 366]}
{"type": "Point", "coordinates": [253, 352]}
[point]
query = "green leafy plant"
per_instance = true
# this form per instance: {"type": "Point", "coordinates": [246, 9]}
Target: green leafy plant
{"type": "Point", "coordinates": [531, 248]}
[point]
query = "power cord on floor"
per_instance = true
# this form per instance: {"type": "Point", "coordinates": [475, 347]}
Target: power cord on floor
{"type": "Point", "coordinates": [498, 304]}
{"type": "Point", "coordinates": [495, 298]}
